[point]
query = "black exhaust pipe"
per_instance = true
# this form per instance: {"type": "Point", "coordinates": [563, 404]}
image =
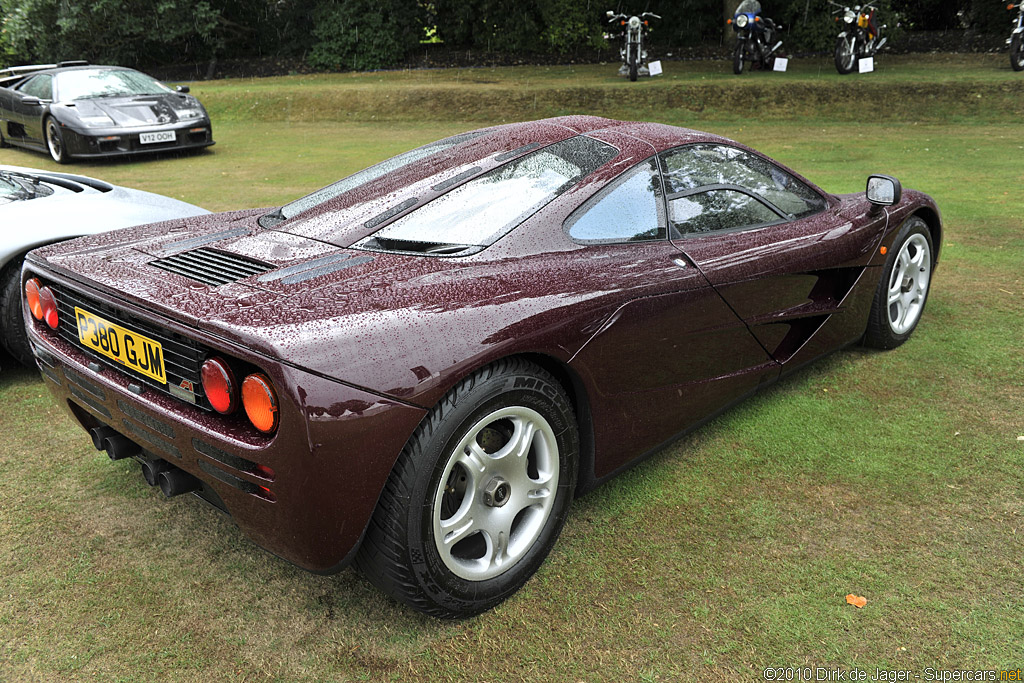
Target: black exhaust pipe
{"type": "Point", "coordinates": [151, 469]}
{"type": "Point", "coordinates": [119, 447]}
{"type": "Point", "coordinates": [174, 482]}
{"type": "Point", "coordinates": [98, 434]}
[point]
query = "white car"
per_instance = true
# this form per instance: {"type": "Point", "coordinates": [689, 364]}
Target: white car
{"type": "Point", "coordinates": [42, 207]}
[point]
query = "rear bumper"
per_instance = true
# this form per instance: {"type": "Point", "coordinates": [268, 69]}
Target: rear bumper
{"type": "Point", "coordinates": [330, 458]}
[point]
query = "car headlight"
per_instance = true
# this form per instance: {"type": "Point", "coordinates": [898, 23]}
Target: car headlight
{"type": "Point", "coordinates": [186, 114]}
{"type": "Point", "coordinates": [100, 120]}
{"type": "Point", "coordinates": [741, 20]}
{"type": "Point", "coordinates": [849, 16]}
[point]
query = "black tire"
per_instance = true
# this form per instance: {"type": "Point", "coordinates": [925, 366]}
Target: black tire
{"type": "Point", "coordinates": [633, 66]}
{"type": "Point", "coordinates": [13, 335]}
{"type": "Point", "coordinates": [3, 140]}
{"type": "Point", "coordinates": [55, 141]}
{"type": "Point", "coordinates": [737, 59]}
{"type": "Point", "coordinates": [1017, 52]}
{"type": "Point", "coordinates": [845, 59]}
{"type": "Point", "coordinates": [401, 554]}
{"type": "Point", "coordinates": [913, 282]}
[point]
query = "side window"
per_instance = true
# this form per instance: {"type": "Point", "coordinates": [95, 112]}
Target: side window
{"type": "Point", "coordinates": [628, 213]}
{"type": "Point", "coordinates": [715, 210]}
{"type": "Point", "coordinates": [695, 166]}
{"type": "Point", "coordinates": [40, 86]}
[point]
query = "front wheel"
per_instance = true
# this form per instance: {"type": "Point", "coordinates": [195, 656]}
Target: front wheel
{"type": "Point", "coordinates": [479, 494]}
{"type": "Point", "coordinates": [55, 142]}
{"type": "Point", "coordinates": [737, 59]}
{"type": "Point", "coordinates": [845, 58]}
{"type": "Point", "coordinates": [633, 66]}
{"type": "Point", "coordinates": [1017, 52]}
{"type": "Point", "coordinates": [903, 289]}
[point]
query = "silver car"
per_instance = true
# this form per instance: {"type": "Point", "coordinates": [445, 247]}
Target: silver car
{"type": "Point", "coordinates": [42, 207]}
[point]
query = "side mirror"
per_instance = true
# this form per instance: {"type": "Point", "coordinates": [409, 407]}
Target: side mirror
{"type": "Point", "coordinates": [883, 190]}
{"type": "Point", "coordinates": [31, 101]}
{"type": "Point", "coordinates": [182, 89]}
{"type": "Point", "coordinates": [609, 13]}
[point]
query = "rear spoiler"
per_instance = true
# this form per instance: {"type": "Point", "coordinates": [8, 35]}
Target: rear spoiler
{"type": "Point", "coordinates": [13, 73]}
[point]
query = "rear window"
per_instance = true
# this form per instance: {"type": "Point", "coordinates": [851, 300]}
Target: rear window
{"type": "Point", "coordinates": [361, 178]}
{"type": "Point", "coordinates": [481, 211]}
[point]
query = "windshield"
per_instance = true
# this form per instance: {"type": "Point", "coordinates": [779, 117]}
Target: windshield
{"type": "Point", "coordinates": [361, 178]}
{"type": "Point", "coordinates": [482, 210]}
{"type": "Point", "coordinates": [14, 188]}
{"type": "Point", "coordinates": [82, 84]}
{"type": "Point", "coordinates": [749, 7]}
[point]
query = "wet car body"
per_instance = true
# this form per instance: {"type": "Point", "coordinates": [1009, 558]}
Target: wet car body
{"type": "Point", "coordinates": [98, 111]}
{"type": "Point", "coordinates": [364, 333]}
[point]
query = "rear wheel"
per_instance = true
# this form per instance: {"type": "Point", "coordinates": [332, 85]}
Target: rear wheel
{"type": "Point", "coordinates": [12, 334]}
{"type": "Point", "coordinates": [737, 58]}
{"type": "Point", "coordinates": [903, 290]}
{"type": "Point", "coordinates": [479, 494]}
{"type": "Point", "coordinates": [1017, 52]}
{"type": "Point", "coordinates": [55, 142]}
{"type": "Point", "coordinates": [845, 58]}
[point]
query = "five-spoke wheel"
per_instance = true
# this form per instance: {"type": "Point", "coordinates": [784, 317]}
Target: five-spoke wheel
{"type": "Point", "coordinates": [903, 289]}
{"type": "Point", "coordinates": [479, 494]}
{"type": "Point", "coordinates": [496, 493]}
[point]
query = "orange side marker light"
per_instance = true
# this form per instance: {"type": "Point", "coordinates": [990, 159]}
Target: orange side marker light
{"type": "Point", "coordinates": [883, 250]}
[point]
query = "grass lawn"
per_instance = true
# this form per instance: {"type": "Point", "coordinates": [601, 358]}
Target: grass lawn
{"type": "Point", "coordinates": [898, 476]}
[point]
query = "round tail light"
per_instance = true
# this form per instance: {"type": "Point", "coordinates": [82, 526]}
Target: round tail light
{"type": "Point", "coordinates": [32, 298]}
{"type": "Point", "coordinates": [219, 385]}
{"type": "Point", "coordinates": [260, 402]}
{"type": "Point", "coordinates": [48, 304]}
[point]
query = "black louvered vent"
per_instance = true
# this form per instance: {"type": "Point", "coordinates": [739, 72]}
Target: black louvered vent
{"type": "Point", "coordinates": [211, 267]}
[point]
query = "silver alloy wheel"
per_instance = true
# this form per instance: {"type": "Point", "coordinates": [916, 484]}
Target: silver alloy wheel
{"type": "Point", "coordinates": [908, 283]}
{"type": "Point", "coordinates": [496, 493]}
{"type": "Point", "coordinates": [53, 141]}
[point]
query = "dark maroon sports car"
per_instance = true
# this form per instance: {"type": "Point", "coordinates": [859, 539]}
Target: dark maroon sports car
{"type": "Point", "coordinates": [418, 367]}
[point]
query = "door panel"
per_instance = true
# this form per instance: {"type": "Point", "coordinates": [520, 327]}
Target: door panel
{"type": "Point", "coordinates": [666, 360]}
{"type": "Point", "coordinates": [791, 282]}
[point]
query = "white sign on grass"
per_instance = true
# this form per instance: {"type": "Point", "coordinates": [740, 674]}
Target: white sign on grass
{"type": "Point", "coordinates": [781, 63]}
{"type": "Point", "coordinates": [866, 65]}
{"type": "Point", "coordinates": [655, 68]}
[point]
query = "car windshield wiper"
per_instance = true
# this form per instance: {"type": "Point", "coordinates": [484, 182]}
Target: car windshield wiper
{"type": "Point", "coordinates": [17, 179]}
{"type": "Point", "coordinates": [269, 220]}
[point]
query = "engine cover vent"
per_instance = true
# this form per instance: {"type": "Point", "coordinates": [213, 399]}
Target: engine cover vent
{"type": "Point", "coordinates": [211, 267]}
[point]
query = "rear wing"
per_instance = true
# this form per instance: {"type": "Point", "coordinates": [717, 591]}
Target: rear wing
{"type": "Point", "coordinates": [12, 73]}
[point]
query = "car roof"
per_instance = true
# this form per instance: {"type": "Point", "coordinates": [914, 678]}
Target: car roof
{"type": "Point", "coordinates": [354, 214]}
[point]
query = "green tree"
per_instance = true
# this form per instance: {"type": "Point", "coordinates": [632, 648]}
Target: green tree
{"type": "Point", "coordinates": [365, 34]}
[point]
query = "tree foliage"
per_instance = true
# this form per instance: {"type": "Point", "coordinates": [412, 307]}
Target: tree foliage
{"type": "Point", "coordinates": [365, 34]}
{"type": "Point", "coordinates": [369, 34]}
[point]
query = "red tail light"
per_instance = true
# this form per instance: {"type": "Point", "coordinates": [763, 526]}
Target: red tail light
{"type": "Point", "coordinates": [260, 402]}
{"type": "Point", "coordinates": [48, 304]}
{"type": "Point", "coordinates": [32, 298]}
{"type": "Point", "coordinates": [219, 385]}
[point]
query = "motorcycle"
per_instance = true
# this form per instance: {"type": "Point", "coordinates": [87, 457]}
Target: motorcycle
{"type": "Point", "coordinates": [754, 34]}
{"type": "Point", "coordinates": [859, 38]}
{"type": "Point", "coordinates": [633, 52]}
{"type": "Point", "coordinates": [1016, 40]}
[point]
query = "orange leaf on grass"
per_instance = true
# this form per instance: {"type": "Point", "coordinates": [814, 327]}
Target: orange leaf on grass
{"type": "Point", "coordinates": [856, 600]}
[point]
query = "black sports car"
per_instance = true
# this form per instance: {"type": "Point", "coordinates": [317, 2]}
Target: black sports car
{"type": "Point", "coordinates": [78, 110]}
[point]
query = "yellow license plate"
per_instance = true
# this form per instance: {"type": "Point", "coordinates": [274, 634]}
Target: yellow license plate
{"type": "Point", "coordinates": [130, 349]}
